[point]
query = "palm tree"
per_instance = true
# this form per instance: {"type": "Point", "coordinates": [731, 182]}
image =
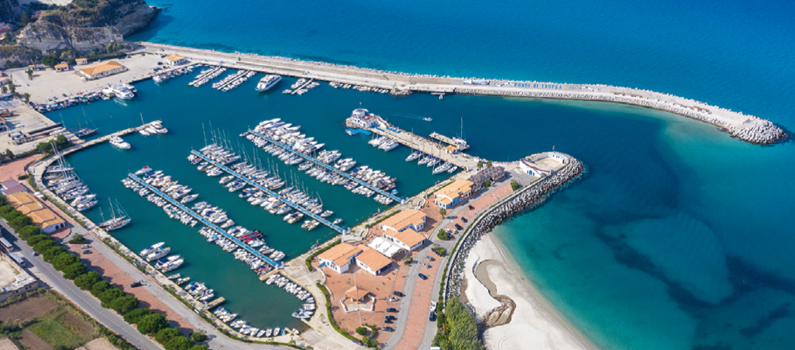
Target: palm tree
{"type": "Point", "coordinates": [12, 87]}
{"type": "Point", "coordinates": [26, 96]}
{"type": "Point", "coordinates": [4, 89]}
{"type": "Point", "coordinates": [30, 73]}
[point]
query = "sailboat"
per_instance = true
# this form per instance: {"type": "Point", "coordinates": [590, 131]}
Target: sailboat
{"type": "Point", "coordinates": [116, 222]}
{"type": "Point", "coordinates": [83, 132]}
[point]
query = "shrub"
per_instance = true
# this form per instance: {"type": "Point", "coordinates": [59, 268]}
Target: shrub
{"type": "Point", "coordinates": [439, 250]}
{"type": "Point", "coordinates": [135, 315]}
{"type": "Point", "coordinates": [32, 240]}
{"type": "Point", "coordinates": [199, 336]}
{"type": "Point", "coordinates": [108, 296]}
{"type": "Point", "coordinates": [442, 212]}
{"type": "Point", "coordinates": [443, 235]}
{"type": "Point", "coordinates": [74, 270]}
{"type": "Point", "coordinates": [52, 252]}
{"type": "Point", "coordinates": [12, 214]}
{"type": "Point", "coordinates": [515, 185]}
{"type": "Point", "coordinates": [124, 304]}
{"type": "Point", "coordinates": [178, 343]}
{"type": "Point", "coordinates": [151, 324]}
{"type": "Point", "coordinates": [166, 334]}
{"type": "Point", "coordinates": [5, 209]}
{"type": "Point", "coordinates": [61, 261]}
{"type": "Point", "coordinates": [201, 347]}
{"type": "Point", "coordinates": [361, 330]}
{"type": "Point", "coordinates": [78, 239]}
{"type": "Point", "coordinates": [19, 222]}
{"type": "Point", "coordinates": [408, 260]}
{"type": "Point", "coordinates": [43, 245]}
{"type": "Point", "coordinates": [85, 282]}
{"type": "Point", "coordinates": [98, 288]}
{"type": "Point", "coordinates": [488, 164]}
{"type": "Point", "coordinates": [28, 231]}
{"type": "Point", "coordinates": [487, 184]}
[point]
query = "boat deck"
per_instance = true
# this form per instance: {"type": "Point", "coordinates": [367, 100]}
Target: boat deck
{"type": "Point", "coordinates": [329, 167]}
{"type": "Point", "coordinates": [270, 192]}
{"type": "Point", "coordinates": [205, 221]}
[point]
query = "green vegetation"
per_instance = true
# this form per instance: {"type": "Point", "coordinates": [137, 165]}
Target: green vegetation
{"type": "Point", "coordinates": [85, 282]}
{"type": "Point", "coordinates": [151, 324]}
{"type": "Point", "coordinates": [487, 184]}
{"type": "Point", "coordinates": [55, 334]}
{"type": "Point", "coordinates": [78, 239]}
{"type": "Point", "coordinates": [166, 334]}
{"type": "Point", "coordinates": [98, 288]}
{"type": "Point", "coordinates": [488, 164]}
{"type": "Point", "coordinates": [480, 165]}
{"type": "Point", "coordinates": [361, 330]}
{"type": "Point", "coordinates": [515, 185]}
{"type": "Point", "coordinates": [108, 296]}
{"type": "Point", "coordinates": [51, 253]}
{"type": "Point", "coordinates": [124, 304]}
{"type": "Point", "coordinates": [443, 212]}
{"type": "Point", "coordinates": [439, 250]}
{"type": "Point", "coordinates": [320, 251]}
{"type": "Point", "coordinates": [443, 235]}
{"type": "Point", "coordinates": [331, 316]}
{"type": "Point", "coordinates": [29, 231]}
{"type": "Point", "coordinates": [199, 336]}
{"type": "Point", "coordinates": [134, 316]}
{"type": "Point", "coordinates": [46, 147]}
{"type": "Point", "coordinates": [408, 260]}
{"type": "Point", "coordinates": [458, 329]}
{"type": "Point", "coordinates": [60, 262]}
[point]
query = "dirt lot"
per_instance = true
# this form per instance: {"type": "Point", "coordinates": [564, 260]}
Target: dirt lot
{"type": "Point", "coordinates": [97, 344]}
{"type": "Point", "coordinates": [7, 344]}
{"type": "Point", "coordinates": [32, 342]}
{"type": "Point", "coordinates": [27, 309]}
{"type": "Point", "coordinates": [77, 326]}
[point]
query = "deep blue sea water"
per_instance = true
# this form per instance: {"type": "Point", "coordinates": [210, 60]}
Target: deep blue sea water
{"type": "Point", "coordinates": [679, 237]}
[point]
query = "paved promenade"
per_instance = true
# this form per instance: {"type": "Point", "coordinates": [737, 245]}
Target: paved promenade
{"type": "Point", "coordinates": [737, 124]}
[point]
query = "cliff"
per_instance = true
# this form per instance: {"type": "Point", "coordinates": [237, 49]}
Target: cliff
{"type": "Point", "coordinates": [86, 25]}
{"type": "Point", "coordinates": [9, 9]}
{"type": "Point", "coordinates": [17, 56]}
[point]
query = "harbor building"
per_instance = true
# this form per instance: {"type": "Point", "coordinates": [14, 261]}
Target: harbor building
{"type": "Point", "coordinates": [408, 218]}
{"type": "Point", "coordinates": [340, 257]}
{"type": "Point", "coordinates": [12, 186]}
{"type": "Point", "coordinates": [61, 67]}
{"type": "Point", "coordinates": [492, 174]}
{"type": "Point", "coordinates": [3, 122]}
{"type": "Point", "coordinates": [543, 164]}
{"type": "Point", "coordinates": [81, 61]}
{"type": "Point", "coordinates": [407, 239]}
{"type": "Point", "coordinates": [385, 247]}
{"type": "Point", "coordinates": [452, 194]}
{"type": "Point", "coordinates": [373, 262]}
{"type": "Point", "coordinates": [364, 119]}
{"type": "Point", "coordinates": [101, 70]}
{"type": "Point", "coordinates": [358, 299]}
{"type": "Point", "coordinates": [43, 218]}
{"type": "Point", "coordinates": [176, 60]}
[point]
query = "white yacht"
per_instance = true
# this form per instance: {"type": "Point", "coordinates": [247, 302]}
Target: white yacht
{"type": "Point", "coordinates": [118, 142]}
{"type": "Point", "coordinates": [120, 91]}
{"type": "Point", "coordinates": [268, 82]}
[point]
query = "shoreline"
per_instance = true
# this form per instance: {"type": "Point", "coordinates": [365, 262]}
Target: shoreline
{"type": "Point", "coordinates": [543, 325]}
{"type": "Point", "coordinates": [745, 127]}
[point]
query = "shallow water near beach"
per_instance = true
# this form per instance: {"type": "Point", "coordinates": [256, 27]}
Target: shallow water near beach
{"type": "Point", "coordinates": [679, 237]}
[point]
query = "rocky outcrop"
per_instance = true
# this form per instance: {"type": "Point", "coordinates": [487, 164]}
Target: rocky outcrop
{"type": "Point", "coordinates": [47, 37]}
{"type": "Point", "coordinates": [134, 16]}
{"type": "Point", "coordinates": [9, 9]}
{"type": "Point", "coordinates": [17, 56]}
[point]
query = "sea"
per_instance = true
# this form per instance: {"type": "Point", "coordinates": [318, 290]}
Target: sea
{"type": "Point", "coordinates": [678, 237]}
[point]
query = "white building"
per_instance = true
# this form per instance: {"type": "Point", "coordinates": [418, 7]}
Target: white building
{"type": "Point", "coordinates": [364, 119]}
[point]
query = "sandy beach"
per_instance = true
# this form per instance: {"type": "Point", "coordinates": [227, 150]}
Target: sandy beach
{"type": "Point", "coordinates": [534, 323]}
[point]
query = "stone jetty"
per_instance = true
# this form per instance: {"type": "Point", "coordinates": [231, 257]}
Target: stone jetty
{"type": "Point", "coordinates": [524, 199]}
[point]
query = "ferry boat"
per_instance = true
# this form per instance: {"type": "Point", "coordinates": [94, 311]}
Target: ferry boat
{"type": "Point", "coordinates": [267, 82]}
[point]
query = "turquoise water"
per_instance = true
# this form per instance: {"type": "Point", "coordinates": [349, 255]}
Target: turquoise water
{"type": "Point", "coordinates": [679, 238]}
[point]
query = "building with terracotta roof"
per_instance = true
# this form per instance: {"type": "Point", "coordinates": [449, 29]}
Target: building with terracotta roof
{"type": "Point", "coordinates": [176, 60]}
{"type": "Point", "coordinates": [101, 70]}
{"type": "Point", "coordinates": [81, 61]}
{"type": "Point", "coordinates": [61, 67]}
{"type": "Point", "coordinates": [452, 194]}
{"type": "Point", "coordinates": [408, 218]}
{"type": "Point", "coordinates": [12, 186]}
{"type": "Point", "coordinates": [339, 257]}
{"type": "Point", "coordinates": [43, 218]}
{"type": "Point", "coordinates": [407, 239]}
{"type": "Point", "coordinates": [372, 261]}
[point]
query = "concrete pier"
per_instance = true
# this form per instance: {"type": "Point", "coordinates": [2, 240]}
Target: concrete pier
{"type": "Point", "coordinates": [745, 127]}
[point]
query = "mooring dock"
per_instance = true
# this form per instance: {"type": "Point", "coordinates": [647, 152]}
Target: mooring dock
{"type": "Point", "coordinates": [205, 221]}
{"type": "Point", "coordinates": [270, 192]}
{"type": "Point", "coordinates": [328, 167]}
{"type": "Point", "coordinates": [449, 141]}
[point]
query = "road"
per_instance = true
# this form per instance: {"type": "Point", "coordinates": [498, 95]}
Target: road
{"type": "Point", "coordinates": [52, 278]}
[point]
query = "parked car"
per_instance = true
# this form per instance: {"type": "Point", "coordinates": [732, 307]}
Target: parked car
{"type": "Point", "coordinates": [427, 265]}
{"type": "Point", "coordinates": [86, 251]}
{"type": "Point", "coordinates": [388, 321]}
{"type": "Point", "coordinates": [387, 329]}
{"type": "Point", "coordinates": [430, 258]}
{"type": "Point", "coordinates": [398, 294]}
{"type": "Point", "coordinates": [423, 276]}
{"type": "Point", "coordinates": [136, 284]}
{"type": "Point", "coordinates": [463, 219]}
{"type": "Point", "coordinates": [471, 208]}
{"type": "Point", "coordinates": [390, 317]}
{"type": "Point", "coordinates": [432, 316]}
{"type": "Point", "coordinates": [458, 227]}
{"type": "Point", "coordinates": [391, 309]}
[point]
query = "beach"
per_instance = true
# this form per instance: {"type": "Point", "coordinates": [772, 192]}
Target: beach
{"type": "Point", "coordinates": [534, 323]}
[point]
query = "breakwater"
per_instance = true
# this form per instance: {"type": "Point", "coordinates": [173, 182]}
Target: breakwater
{"type": "Point", "coordinates": [742, 126]}
{"type": "Point", "coordinates": [525, 198]}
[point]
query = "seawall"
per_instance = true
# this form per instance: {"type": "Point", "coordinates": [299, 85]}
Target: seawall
{"type": "Point", "coordinates": [742, 126]}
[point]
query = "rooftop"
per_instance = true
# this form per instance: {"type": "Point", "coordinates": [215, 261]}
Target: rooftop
{"type": "Point", "coordinates": [101, 68]}
{"type": "Point", "coordinates": [455, 189]}
{"type": "Point", "coordinates": [174, 57]}
{"type": "Point", "coordinates": [340, 253]}
{"type": "Point", "coordinates": [408, 237]}
{"type": "Point", "coordinates": [373, 259]}
{"type": "Point", "coordinates": [405, 218]}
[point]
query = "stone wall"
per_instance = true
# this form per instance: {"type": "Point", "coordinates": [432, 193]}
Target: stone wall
{"type": "Point", "coordinates": [525, 198]}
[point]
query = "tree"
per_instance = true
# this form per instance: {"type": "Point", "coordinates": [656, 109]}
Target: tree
{"type": "Point", "coordinates": [42, 246]}
{"type": "Point", "coordinates": [515, 185]}
{"type": "Point", "coordinates": [10, 156]}
{"type": "Point", "coordinates": [487, 184]}
{"type": "Point", "coordinates": [61, 140]}
{"type": "Point", "coordinates": [52, 252]}
{"type": "Point", "coordinates": [98, 288]}
{"type": "Point", "coordinates": [204, 347]}
{"type": "Point", "coordinates": [12, 87]}
{"type": "Point", "coordinates": [12, 214]}
{"type": "Point", "coordinates": [199, 336]}
{"type": "Point", "coordinates": [4, 89]}
{"type": "Point", "coordinates": [61, 261]}
{"type": "Point", "coordinates": [85, 282]}
{"type": "Point", "coordinates": [480, 164]}
{"type": "Point", "coordinates": [166, 334]}
{"type": "Point", "coordinates": [32, 240]}
{"type": "Point", "coordinates": [108, 296]}
{"type": "Point", "coordinates": [5, 209]}
{"type": "Point", "coordinates": [74, 270]}
{"type": "Point", "coordinates": [28, 231]}
{"type": "Point", "coordinates": [26, 96]}
{"type": "Point", "coordinates": [50, 60]}
{"type": "Point", "coordinates": [151, 324]}
{"type": "Point", "coordinates": [443, 212]}
{"type": "Point", "coordinates": [488, 164]}
{"type": "Point", "coordinates": [124, 304]}
{"type": "Point", "coordinates": [178, 343]}
{"type": "Point", "coordinates": [29, 72]}
{"type": "Point", "coordinates": [361, 330]}
{"type": "Point", "coordinates": [19, 222]}
{"type": "Point", "coordinates": [135, 315]}
{"type": "Point", "coordinates": [408, 260]}
{"type": "Point", "coordinates": [443, 235]}
{"type": "Point", "coordinates": [78, 239]}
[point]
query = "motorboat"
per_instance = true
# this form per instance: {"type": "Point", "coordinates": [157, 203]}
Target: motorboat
{"type": "Point", "coordinates": [267, 82]}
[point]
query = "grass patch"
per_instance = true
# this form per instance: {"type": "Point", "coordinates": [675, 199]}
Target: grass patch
{"type": "Point", "coordinates": [55, 334]}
